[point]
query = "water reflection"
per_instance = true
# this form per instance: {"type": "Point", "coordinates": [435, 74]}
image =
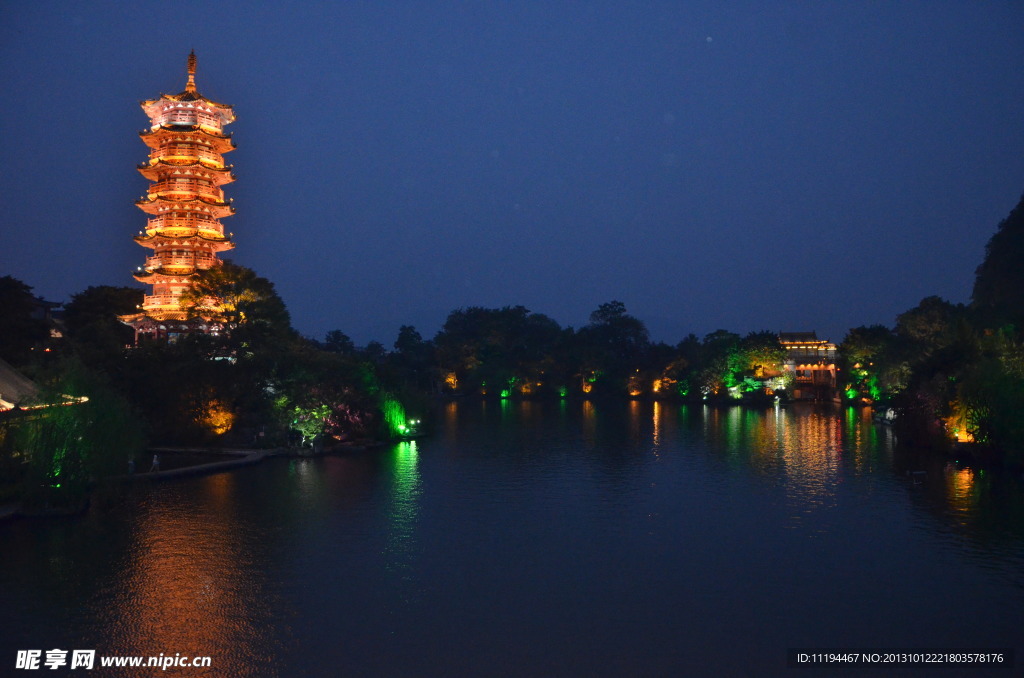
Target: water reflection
{"type": "Point", "coordinates": [400, 550]}
{"type": "Point", "coordinates": [575, 538]}
{"type": "Point", "coordinates": [801, 448]}
{"type": "Point", "coordinates": [635, 418]}
{"type": "Point", "coordinates": [188, 584]}
{"type": "Point", "coordinates": [451, 417]}
{"type": "Point", "coordinates": [656, 417]}
{"type": "Point", "coordinates": [589, 422]}
{"type": "Point", "coordinates": [960, 492]}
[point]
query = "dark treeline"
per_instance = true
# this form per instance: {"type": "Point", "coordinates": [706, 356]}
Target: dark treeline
{"type": "Point", "coordinates": [512, 352]}
{"type": "Point", "coordinates": [949, 372]}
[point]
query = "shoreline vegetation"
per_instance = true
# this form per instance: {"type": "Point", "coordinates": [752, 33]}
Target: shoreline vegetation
{"type": "Point", "coordinates": [944, 375]}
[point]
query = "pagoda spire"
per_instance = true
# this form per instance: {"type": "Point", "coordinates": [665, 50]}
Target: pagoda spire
{"type": "Point", "coordinates": [191, 85]}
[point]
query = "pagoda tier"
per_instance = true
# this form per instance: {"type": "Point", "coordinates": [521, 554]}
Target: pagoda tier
{"type": "Point", "coordinates": [185, 201]}
{"type": "Point", "coordinates": [187, 135]}
{"type": "Point", "coordinates": [197, 206]}
{"type": "Point", "coordinates": [184, 221]}
{"type": "Point", "coordinates": [160, 204]}
{"type": "Point", "coordinates": [163, 168]}
{"type": "Point", "coordinates": [195, 239]}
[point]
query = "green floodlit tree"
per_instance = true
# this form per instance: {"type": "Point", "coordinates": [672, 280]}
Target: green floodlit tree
{"type": "Point", "coordinates": [761, 352]}
{"type": "Point", "coordinates": [86, 433]}
{"type": "Point", "coordinates": [394, 415]}
{"type": "Point", "coordinates": [870, 364]}
{"type": "Point", "coordinates": [718, 359]}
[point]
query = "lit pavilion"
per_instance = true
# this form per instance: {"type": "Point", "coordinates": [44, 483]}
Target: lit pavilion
{"type": "Point", "coordinates": [185, 203]}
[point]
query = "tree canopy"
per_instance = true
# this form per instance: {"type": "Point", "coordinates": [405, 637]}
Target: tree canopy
{"type": "Point", "coordinates": [999, 280]}
{"type": "Point", "coordinates": [245, 299]}
{"type": "Point", "coordinates": [21, 330]}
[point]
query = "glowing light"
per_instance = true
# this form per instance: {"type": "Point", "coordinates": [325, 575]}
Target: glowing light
{"type": "Point", "coordinates": [635, 389]}
{"type": "Point", "coordinates": [958, 423]}
{"type": "Point", "coordinates": [217, 418]}
{"type": "Point", "coordinates": [394, 414]}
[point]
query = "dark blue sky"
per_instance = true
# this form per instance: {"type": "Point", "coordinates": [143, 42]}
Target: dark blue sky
{"type": "Point", "coordinates": [745, 165]}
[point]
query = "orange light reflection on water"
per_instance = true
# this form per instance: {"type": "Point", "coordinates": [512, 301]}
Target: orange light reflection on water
{"type": "Point", "coordinates": [960, 493]}
{"type": "Point", "coordinates": [180, 592]}
{"type": "Point", "coordinates": [803, 445]}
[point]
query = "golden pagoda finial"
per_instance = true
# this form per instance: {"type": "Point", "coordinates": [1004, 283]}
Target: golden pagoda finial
{"type": "Point", "coordinates": [191, 85]}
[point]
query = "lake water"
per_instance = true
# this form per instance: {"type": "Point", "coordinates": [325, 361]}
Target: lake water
{"type": "Point", "coordinates": [541, 539]}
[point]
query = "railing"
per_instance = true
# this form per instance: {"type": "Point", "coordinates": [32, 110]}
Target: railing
{"type": "Point", "coordinates": [188, 151]}
{"type": "Point", "coordinates": [168, 221]}
{"type": "Point", "coordinates": [188, 187]}
{"type": "Point", "coordinates": [160, 300]}
{"type": "Point", "coordinates": [194, 184]}
{"type": "Point", "coordinates": [187, 116]}
{"type": "Point", "coordinates": [178, 260]}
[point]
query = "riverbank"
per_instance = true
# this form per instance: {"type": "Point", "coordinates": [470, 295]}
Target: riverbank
{"type": "Point", "coordinates": [239, 457]}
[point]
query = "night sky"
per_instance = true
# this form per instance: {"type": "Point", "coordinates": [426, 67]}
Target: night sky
{"type": "Point", "coordinates": [761, 165]}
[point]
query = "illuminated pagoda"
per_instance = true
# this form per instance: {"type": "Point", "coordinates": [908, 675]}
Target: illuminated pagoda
{"type": "Point", "coordinates": [185, 203]}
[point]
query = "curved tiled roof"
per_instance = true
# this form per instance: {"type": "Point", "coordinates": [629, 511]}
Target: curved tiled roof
{"type": "Point", "coordinates": [199, 165]}
{"type": "Point", "coordinates": [153, 171]}
{"type": "Point", "coordinates": [15, 388]}
{"type": "Point", "coordinates": [184, 129]}
{"type": "Point", "coordinates": [198, 198]}
{"type": "Point", "coordinates": [186, 96]}
{"type": "Point", "coordinates": [192, 234]}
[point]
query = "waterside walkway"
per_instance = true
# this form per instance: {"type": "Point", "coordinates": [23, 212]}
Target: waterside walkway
{"type": "Point", "coordinates": [241, 457]}
{"type": "Point", "coordinates": [236, 458]}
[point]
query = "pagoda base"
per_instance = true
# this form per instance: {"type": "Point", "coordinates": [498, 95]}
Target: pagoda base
{"type": "Point", "coordinates": [148, 328]}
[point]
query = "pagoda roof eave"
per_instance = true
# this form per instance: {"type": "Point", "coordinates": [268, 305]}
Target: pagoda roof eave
{"type": "Point", "coordinates": [158, 318]}
{"type": "Point", "coordinates": [142, 202]}
{"type": "Point", "coordinates": [188, 96]}
{"type": "Point", "coordinates": [224, 175]}
{"type": "Point", "coordinates": [185, 129]}
{"type": "Point", "coordinates": [186, 236]}
{"type": "Point", "coordinates": [150, 137]}
{"type": "Point", "coordinates": [163, 163]}
{"type": "Point", "coordinates": [159, 275]}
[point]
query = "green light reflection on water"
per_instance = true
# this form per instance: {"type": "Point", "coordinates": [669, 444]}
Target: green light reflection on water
{"type": "Point", "coordinates": [401, 548]}
{"type": "Point", "coordinates": [406, 488]}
